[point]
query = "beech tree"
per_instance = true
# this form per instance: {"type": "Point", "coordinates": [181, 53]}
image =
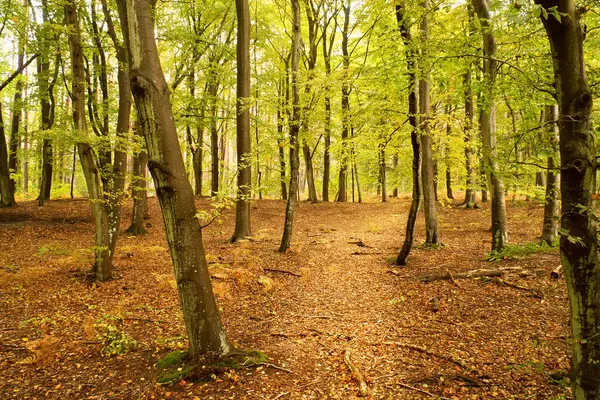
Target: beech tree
{"type": "Point", "coordinates": [244, 178]}
{"type": "Point", "coordinates": [184, 234]}
{"type": "Point", "coordinates": [294, 129]}
{"type": "Point", "coordinates": [578, 241]}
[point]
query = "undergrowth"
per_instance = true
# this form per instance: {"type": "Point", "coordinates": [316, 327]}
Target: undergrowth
{"type": "Point", "coordinates": [517, 251]}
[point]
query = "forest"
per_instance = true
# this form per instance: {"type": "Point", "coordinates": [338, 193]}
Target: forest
{"type": "Point", "coordinates": [299, 199]}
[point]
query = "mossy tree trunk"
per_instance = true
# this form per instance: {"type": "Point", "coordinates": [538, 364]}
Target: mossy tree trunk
{"type": "Point", "coordinates": [578, 246]}
{"type": "Point", "coordinates": [184, 235]}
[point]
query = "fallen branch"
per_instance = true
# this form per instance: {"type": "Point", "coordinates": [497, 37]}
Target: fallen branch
{"type": "Point", "coordinates": [461, 275]}
{"type": "Point", "coordinates": [366, 253]}
{"type": "Point", "coordinates": [425, 350]}
{"type": "Point", "coordinates": [555, 274]}
{"type": "Point", "coordinates": [282, 271]}
{"type": "Point", "coordinates": [502, 282]}
{"type": "Point", "coordinates": [419, 390]}
{"type": "Point", "coordinates": [363, 389]}
{"type": "Point", "coordinates": [280, 395]}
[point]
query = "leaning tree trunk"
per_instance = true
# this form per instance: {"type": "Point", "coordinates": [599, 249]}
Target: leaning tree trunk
{"type": "Point", "coordinates": [550, 224]}
{"type": "Point", "coordinates": [427, 167]}
{"type": "Point", "coordinates": [184, 235]}
{"type": "Point", "coordinates": [244, 177]}
{"type": "Point", "coordinates": [286, 239]}
{"type": "Point", "coordinates": [488, 127]}
{"type": "Point", "coordinates": [91, 170]}
{"type": "Point", "coordinates": [578, 247]}
{"type": "Point", "coordinates": [413, 109]}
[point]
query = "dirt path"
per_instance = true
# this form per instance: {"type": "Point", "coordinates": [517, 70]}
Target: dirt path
{"type": "Point", "coordinates": [507, 340]}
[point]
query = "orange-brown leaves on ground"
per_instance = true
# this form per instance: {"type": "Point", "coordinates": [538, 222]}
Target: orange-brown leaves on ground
{"type": "Point", "coordinates": [303, 308]}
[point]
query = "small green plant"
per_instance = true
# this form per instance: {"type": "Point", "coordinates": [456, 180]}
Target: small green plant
{"type": "Point", "coordinates": [53, 250]}
{"type": "Point", "coordinates": [11, 268]}
{"type": "Point", "coordinates": [517, 251]}
{"type": "Point", "coordinates": [394, 302]}
{"type": "Point", "coordinates": [115, 341]}
{"type": "Point", "coordinates": [37, 321]}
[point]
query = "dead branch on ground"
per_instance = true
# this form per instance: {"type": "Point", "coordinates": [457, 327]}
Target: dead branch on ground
{"type": "Point", "coordinates": [363, 389]}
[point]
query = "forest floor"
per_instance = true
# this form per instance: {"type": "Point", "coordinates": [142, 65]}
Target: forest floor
{"type": "Point", "coordinates": [485, 341]}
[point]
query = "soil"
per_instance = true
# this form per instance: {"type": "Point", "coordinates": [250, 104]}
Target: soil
{"type": "Point", "coordinates": [485, 340]}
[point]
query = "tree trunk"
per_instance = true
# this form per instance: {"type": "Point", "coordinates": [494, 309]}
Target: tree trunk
{"type": "Point", "coordinates": [294, 130]}
{"type": "Point", "coordinates": [213, 88]}
{"type": "Point", "coordinates": [327, 42]}
{"type": "Point", "coordinates": [6, 198]}
{"type": "Point", "coordinates": [15, 135]}
{"type": "Point", "coordinates": [550, 224]}
{"type": "Point", "coordinates": [470, 199]}
{"type": "Point", "coordinates": [382, 173]}
{"type": "Point", "coordinates": [91, 171]}
{"type": "Point", "coordinates": [578, 175]}
{"type": "Point", "coordinates": [488, 127]}
{"type": "Point", "coordinates": [201, 316]}
{"type": "Point", "coordinates": [414, 135]}
{"type": "Point", "coordinates": [427, 167]}
{"type": "Point", "coordinates": [310, 176]}
{"type": "Point", "coordinates": [140, 199]}
{"type": "Point", "coordinates": [344, 159]}
{"type": "Point", "coordinates": [280, 139]}
{"type": "Point", "coordinates": [244, 176]}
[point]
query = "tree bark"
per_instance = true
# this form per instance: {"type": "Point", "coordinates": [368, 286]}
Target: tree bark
{"type": "Point", "coordinates": [140, 198]}
{"type": "Point", "coordinates": [280, 138]}
{"type": "Point", "coordinates": [286, 239]}
{"type": "Point", "coordinates": [427, 167]}
{"type": "Point", "coordinates": [488, 127]}
{"type": "Point", "coordinates": [550, 222]}
{"type": "Point", "coordinates": [345, 154]}
{"type": "Point", "coordinates": [470, 199]}
{"type": "Point", "coordinates": [6, 199]}
{"type": "Point", "coordinates": [213, 88]}
{"type": "Point", "coordinates": [151, 94]}
{"type": "Point", "coordinates": [244, 175]}
{"type": "Point", "coordinates": [413, 109]}
{"type": "Point", "coordinates": [578, 180]}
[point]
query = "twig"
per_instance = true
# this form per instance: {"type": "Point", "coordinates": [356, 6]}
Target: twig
{"type": "Point", "coordinates": [452, 279]}
{"type": "Point", "coordinates": [425, 350]}
{"type": "Point", "coordinates": [273, 366]}
{"type": "Point", "coordinates": [363, 389]}
{"type": "Point", "coordinates": [419, 390]}
{"type": "Point", "coordinates": [502, 282]}
{"type": "Point", "coordinates": [283, 271]}
{"type": "Point", "coordinates": [144, 319]}
{"type": "Point", "coordinates": [280, 395]}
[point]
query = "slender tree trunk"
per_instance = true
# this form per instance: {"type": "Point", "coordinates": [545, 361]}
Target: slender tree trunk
{"type": "Point", "coordinates": [382, 173]}
{"type": "Point", "coordinates": [244, 175]}
{"type": "Point", "coordinates": [327, 42]}
{"type": "Point", "coordinates": [550, 224]}
{"type": "Point", "coordinates": [395, 168]}
{"type": "Point", "coordinates": [91, 171]}
{"type": "Point", "coordinates": [15, 134]}
{"type": "Point", "coordinates": [6, 198]}
{"type": "Point", "coordinates": [214, 136]}
{"type": "Point", "coordinates": [413, 106]}
{"type": "Point", "coordinates": [578, 180]}
{"type": "Point", "coordinates": [310, 176]}
{"type": "Point", "coordinates": [488, 127]}
{"type": "Point", "coordinates": [470, 199]}
{"type": "Point", "coordinates": [280, 139]}
{"type": "Point", "coordinates": [344, 159]}
{"type": "Point", "coordinates": [201, 316]}
{"type": "Point", "coordinates": [427, 168]}
{"type": "Point", "coordinates": [294, 130]}
{"type": "Point", "coordinates": [138, 182]}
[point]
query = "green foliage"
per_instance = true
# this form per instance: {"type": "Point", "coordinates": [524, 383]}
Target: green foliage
{"type": "Point", "coordinates": [517, 251]}
{"type": "Point", "coordinates": [173, 358]}
{"type": "Point", "coordinates": [115, 341]}
{"type": "Point", "coordinates": [53, 250]}
{"type": "Point", "coordinates": [11, 268]}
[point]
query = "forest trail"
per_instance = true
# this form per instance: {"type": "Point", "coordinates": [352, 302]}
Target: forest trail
{"type": "Point", "coordinates": [508, 341]}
